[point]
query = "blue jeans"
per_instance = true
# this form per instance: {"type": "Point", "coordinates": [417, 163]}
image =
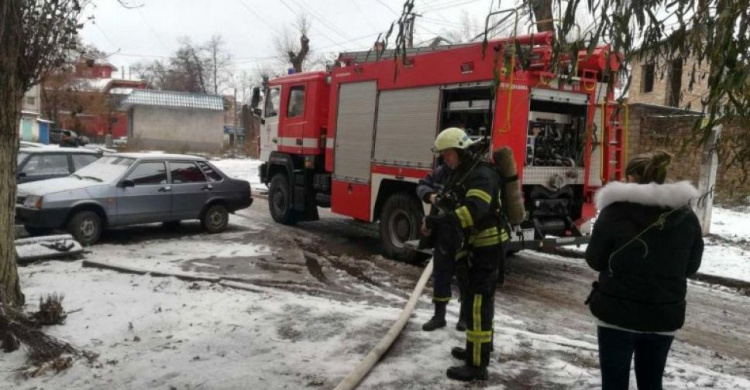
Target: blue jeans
{"type": "Point", "coordinates": [616, 349]}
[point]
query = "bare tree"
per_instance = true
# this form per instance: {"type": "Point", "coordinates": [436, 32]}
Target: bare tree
{"type": "Point", "coordinates": [192, 68]}
{"type": "Point", "coordinates": [34, 36]}
{"type": "Point", "coordinates": [293, 50]}
{"type": "Point", "coordinates": [218, 64]}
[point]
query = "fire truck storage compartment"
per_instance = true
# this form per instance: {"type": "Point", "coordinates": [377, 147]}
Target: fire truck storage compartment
{"type": "Point", "coordinates": [470, 107]}
{"type": "Point", "coordinates": [553, 174]}
{"type": "Point", "coordinates": [354, 126]}
{"type": "Point", "coordinates": [355, 122]}
{"type": "Point", "coordinates": [406, 126]}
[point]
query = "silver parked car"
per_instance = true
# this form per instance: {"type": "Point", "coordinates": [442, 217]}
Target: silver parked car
{"type": "Point", "coordinates": [132, 188]}
{"type": "Point", "coordinates": [43, 163]}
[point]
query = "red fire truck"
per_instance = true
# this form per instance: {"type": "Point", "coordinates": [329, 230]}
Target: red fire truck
{"type": "Point", "coordinates": [357, 138]}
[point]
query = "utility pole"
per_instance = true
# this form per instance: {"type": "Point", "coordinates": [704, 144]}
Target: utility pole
{"type": "Point", "coordinates": [234, 129]}
{"type": "Point", "coordinates": [410, 30]}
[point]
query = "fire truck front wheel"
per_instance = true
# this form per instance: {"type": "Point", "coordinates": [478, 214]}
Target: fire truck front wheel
{"type": "Point", "coordinates": [399, 222]}
{"type": "Point", "coordinates": [280, 200]}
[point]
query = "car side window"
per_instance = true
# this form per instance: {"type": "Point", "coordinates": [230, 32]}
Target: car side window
{"type": "Point", "coordinates": [81, 160]}
{"type": "Point", "coordinates": [149, 173]}
{"type": "Point", "coordinates": [47, 164]}
{"type": "Point", "coordinates": [210, 172]}
{"type": "Point", "coordinates": [186, 172]}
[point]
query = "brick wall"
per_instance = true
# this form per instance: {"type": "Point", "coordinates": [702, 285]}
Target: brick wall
{"type": "Point", "coordinates": [652, 128]}
{"type": "Point", "coordinates": [661, 86]}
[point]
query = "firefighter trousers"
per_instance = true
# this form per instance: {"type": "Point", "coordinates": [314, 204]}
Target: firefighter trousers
{"type": "Point", "coordinates": [449, 261]}
{"type": "Point", "coordinates": [483, 274]}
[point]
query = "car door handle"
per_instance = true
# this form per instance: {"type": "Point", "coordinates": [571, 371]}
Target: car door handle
{"type": "Point", "coordinates": [207, 187]}
{"type": "Point", "coordinates": [165, 189]}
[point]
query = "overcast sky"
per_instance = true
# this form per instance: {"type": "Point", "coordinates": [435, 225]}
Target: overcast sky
{"type": "Point", "coordinates": [248, 26]}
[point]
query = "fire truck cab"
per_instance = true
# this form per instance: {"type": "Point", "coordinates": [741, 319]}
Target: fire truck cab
{"type": "Point", "coordinates": [358, 138]}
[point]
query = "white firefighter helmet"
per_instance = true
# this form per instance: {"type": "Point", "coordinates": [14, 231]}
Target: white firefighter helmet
{"type": "Point", "coordinates": [452, 137]}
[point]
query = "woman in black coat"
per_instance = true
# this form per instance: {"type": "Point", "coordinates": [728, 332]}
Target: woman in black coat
{"type": "Point", "coordinates": [645, 243]}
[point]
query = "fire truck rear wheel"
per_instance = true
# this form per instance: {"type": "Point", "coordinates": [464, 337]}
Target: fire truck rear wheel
{"type": "Point", "coordinates": [399, 222]}
{"type": "Point", "coordinates": [279, 200]}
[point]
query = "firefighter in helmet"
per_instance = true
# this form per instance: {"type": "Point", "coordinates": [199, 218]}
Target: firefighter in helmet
{"type": "Point", "coordinates": [449, 260]}
{"type": "Point", "coordinates": [470, 221]}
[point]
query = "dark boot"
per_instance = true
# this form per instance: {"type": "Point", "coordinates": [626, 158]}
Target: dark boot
{"type": "Point", "coordinates": [438, 320]}
{"type": "Point", "coordinates": [467, 373]}
{"type": "Point", "coordinates": [461, 324]}
{"type": "Point", "coordinates": [460, 353]}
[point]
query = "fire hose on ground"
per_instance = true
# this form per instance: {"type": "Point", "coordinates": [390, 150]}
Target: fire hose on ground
{"type": "Point", "coordinates": [352, 380]}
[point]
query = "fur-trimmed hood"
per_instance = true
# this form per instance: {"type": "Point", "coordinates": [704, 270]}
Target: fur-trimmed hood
{"type": "Point", "coordinates": [672, 195]}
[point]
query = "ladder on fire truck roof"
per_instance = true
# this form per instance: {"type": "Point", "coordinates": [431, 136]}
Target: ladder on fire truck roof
{"type": "Point", "coordinates": [361, 57]}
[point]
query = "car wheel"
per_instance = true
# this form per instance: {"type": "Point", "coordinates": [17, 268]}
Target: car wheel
{"type": "Point", "coordinates": [400, 221]}
{"type": "Point", "coordinates": [171, 225]}
{"type": "Point", "coordinates": [215, 219]}
{"type": "Point", "coordinates": [280, 200]}
{"type": "Point", "coordinates": [85, 227]}
{"type": "Point", "coordinates": [35, 232]}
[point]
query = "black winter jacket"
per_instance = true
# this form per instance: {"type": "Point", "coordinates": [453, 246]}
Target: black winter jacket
{"type": "Point", "coordinates": [643, 281]}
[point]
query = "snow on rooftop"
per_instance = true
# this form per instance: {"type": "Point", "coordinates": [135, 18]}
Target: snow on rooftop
{"type": "Point", "coordinates": [142, 97]}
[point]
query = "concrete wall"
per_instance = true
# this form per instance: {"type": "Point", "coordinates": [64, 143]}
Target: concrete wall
{"type": "Point", "coordinates": [32, 100]}
{"type": "Point", "coordinates": [177, 130]}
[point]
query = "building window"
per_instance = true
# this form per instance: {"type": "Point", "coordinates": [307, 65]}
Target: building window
{"type": "Point", "coordinates": [675, 83]}
{"type": "Point", "coordinates": [647, 77]}
{"type": "Point", "coordinates": [30, 100]}
{"type": "Point", "coordinates": [296, 103]}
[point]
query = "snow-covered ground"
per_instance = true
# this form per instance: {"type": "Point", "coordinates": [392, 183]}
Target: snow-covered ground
{"type": "Point", "coordinates": [166, 333]}
{"type": "Point", "coordinates": [245, 169]}
{"type": "Point", "coordinates": [156, 332]}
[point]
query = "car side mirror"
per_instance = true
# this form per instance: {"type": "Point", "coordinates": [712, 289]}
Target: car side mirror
{"type": "Point", "coordinates": [127, 183]}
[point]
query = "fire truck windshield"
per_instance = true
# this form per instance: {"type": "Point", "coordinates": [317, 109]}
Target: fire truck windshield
{"type": "Point", "coordinates": [272, 102]}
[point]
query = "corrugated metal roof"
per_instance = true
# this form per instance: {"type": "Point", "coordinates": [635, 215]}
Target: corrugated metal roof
{"type": "Point", "coordinates": [141, 97]}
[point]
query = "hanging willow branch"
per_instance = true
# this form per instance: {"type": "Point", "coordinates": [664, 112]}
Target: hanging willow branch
{"type": "Point", "coordinates": [713, 33]}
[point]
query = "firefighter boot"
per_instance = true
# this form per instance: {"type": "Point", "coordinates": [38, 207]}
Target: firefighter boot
{"type": "Point", "coordinates": [467, 373]}
{"type": "Point", "coordinates": [459, 353]}
{"type": "Point", "coordinates": [438, 320]}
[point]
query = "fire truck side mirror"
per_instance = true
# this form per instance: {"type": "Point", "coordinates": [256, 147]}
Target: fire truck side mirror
{"type": "Point", "coordinates": [255, 99]}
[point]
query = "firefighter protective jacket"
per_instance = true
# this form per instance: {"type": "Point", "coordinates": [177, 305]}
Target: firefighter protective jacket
{"type": "Point", "coordinates": [478, 210]}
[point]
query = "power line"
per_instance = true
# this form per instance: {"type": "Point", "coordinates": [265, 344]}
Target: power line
{"type": "Point", "coordinates": [260, 18]}
{"type": "Point", "coordinates": [387, 6]}
{"type": "Point", "coordinates": [106, 35]}
{"type": "Point", "coordinates": [315, 15]}
{"type": "Point", "coordinates": [454, 5]}
{"type": "Point", "coordinates": [296, 15]}
{"type": "Point", "coordinates": [362, 13]}
{"type": "Point", "coordinates": [158, 38]}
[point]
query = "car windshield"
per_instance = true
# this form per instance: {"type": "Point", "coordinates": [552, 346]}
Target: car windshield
{"type": "Point", "coordinates": [21, 156]}
{"type": "Point", "coordinates": [106, 169]}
